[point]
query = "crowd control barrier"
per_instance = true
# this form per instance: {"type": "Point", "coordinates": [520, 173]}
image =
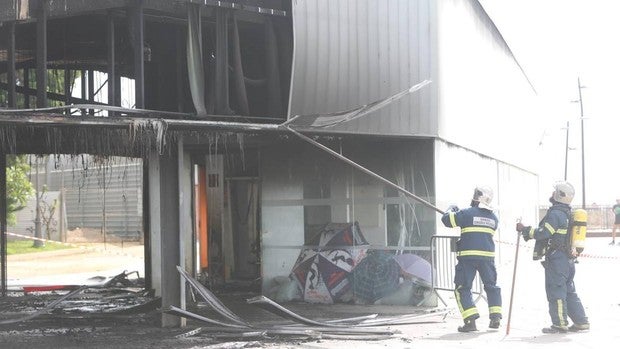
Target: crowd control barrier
{"type": "Point", "coordinates": [443, 262]}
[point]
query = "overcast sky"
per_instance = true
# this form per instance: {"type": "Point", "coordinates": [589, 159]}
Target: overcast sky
{"type": "Point", "coordinates": [557, 41]}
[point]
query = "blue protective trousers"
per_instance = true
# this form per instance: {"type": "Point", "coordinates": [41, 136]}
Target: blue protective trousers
{"type": "Point", "coordinates": [464, 275]}
{"type": "Point", "coordinates": [561, 293]}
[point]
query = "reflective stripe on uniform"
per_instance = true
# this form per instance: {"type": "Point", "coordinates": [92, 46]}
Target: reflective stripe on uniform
{"type": "Point", "coordinates": [452, 216]}
{"type": "Point", "coordinates": [476, 253]}
{"type": "Point", "coordinates": [561, 312]}
{"type": "Point", "coordinates": [550, 228]}
{"type": "Point", "coordinates": [457, 296]}
{"type": "Point", "coordinates": [465, 313]}
{"type": "Point", "coordinates": [561, 231]}
{"type": "Point", "coordinates": [469, 312]}
{"type": "Point", "coordinates": [495, 310]}
{"type": "Point", "coordinates": [531, 233]}
{"type": "Point", "coordinates": [478, 230]}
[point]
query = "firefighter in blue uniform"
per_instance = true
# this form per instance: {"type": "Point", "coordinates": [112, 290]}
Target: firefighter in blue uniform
{"type": "Point", "coordinates": [475, 254]}
{"type": "Point", "coordinates": [553, 242]}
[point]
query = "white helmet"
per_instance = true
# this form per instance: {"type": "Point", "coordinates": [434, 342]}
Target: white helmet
{"type": "Point", "coordinates": [483, 195]}
{"type": "Point", "coordinates": [563, 192]}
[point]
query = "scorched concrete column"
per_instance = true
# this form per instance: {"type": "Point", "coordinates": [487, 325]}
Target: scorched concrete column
{"type": "Point", "coordinates": [164, 232]}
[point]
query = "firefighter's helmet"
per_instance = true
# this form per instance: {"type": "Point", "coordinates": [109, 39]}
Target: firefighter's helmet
{"type": "Point", "coordinates": [483, 195]}
{"type": "Point", "coordinates": [563, 192]}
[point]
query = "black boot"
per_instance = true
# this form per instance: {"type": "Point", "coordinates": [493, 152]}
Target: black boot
{"type": "Point", "coordinates": [579, 327]}
{"type": "Point", "coordinates": [470, 326]}
{"type": "Point", "coordinates": [495, 322]}
{"type": "Point", "coordinates": [555, 329]}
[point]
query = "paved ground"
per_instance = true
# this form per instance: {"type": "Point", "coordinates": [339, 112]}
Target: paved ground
{"type": "Point", "coordinates": [597, 283]}
{"type": "Point", "coordinates": [73, 266]}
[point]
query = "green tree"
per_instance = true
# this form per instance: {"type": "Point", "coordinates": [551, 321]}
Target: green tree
{"type": "Point", "coordinates": [18, 186]}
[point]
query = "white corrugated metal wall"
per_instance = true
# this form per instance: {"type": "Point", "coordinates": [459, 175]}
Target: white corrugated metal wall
{"type": "Point", "coordinates": [352, 52]}
{"type": "Point", "coordinates": [486, 102]}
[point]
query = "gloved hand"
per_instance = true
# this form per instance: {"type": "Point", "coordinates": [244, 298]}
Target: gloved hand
{"type": "Point", "coordinates": [524, 231]}
{"type": "Point", "coordinates": [452, 208]}
{"type": "Point", "coordinates": [520, 227]}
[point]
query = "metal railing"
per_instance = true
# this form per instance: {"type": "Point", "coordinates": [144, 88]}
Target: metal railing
{"type": "Point", "coordinates": [443, 263]}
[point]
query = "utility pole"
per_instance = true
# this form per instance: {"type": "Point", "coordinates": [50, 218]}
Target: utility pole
{"type": "Point", "coordinates": [583, 160]}
{"type": "Point", "coordinates": [566, 152]}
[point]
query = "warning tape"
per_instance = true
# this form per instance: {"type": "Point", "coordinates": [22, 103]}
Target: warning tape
{"type": "Point", "coordinates": [583, 255]}
{"type": "Point", "coordinates": [94, 249]}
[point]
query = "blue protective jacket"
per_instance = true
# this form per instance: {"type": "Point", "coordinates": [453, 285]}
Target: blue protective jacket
{"type": "Point", "coordinates": [478, 226]}
{"type": "Point", "coordinates": [552, 228]}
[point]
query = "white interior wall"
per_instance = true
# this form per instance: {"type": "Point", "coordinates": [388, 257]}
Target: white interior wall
{"type": "Point", "coordinates": [282, 226]}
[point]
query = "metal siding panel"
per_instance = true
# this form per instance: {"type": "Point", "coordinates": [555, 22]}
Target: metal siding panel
{"type": "Point", "coordinates": [482, 87]}
{"type": "Point", "coordinates": [353, 52]}
{"type": "Point", "coordinates": [424, 99]}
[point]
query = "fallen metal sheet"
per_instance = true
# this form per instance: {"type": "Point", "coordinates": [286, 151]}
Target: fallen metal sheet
{"type": "Point", "coordinates": [45, 309]}
{"type": "Point", "coordinates": [187, 314]}
{"type": "Point", "coordinates": [357, 337]}
{"type": "Point", "coordinates": [312, 332]}
{"type": "Point", "coordinates": [347, 329]}
{"type": "Point", "coordinates": [275, 308]}
{"type": "Point", "coordinates": [244, 335]}
{"type": "Point", "coordinates": [346, 321]}
{"type": "Point", "coordinates": [189, 334]}
{"type": "Point", "coordinates": [272, 331]}
{"type": "Point", "coordinates": [353, 319]}
{"type": "Point", "coordinates": [355, 330]}
{"type": "Point", "coordinates": [234, 345]}
{"type": "Point", "coordinates": [211, 299]}
{"type": "Point", "coordinates": [240, 332]}
{"type": "Point", "coordinates": [405, 319]}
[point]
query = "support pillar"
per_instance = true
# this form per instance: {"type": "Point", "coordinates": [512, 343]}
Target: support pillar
{"type": "Point", "coordinates": [164, 231]}
{"type": "Point", "coordinates": [42, 56]}
{"type": "Point", "coordinates": [111, 62]}
{"type": "Point", "coordinates": [186, 230]}
{"type": "Point", "coordinates": [138, 52]}
{"type": "Point", "coordinates": [11, 66]}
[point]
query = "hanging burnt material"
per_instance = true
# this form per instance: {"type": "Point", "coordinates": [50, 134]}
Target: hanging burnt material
{"type": "Point", "coordinates": [135, 139]}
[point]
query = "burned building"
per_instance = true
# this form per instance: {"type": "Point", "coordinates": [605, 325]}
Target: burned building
{"type": "Point", "coordinates": [206, 94]}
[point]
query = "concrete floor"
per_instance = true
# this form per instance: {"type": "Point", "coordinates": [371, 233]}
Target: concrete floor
{"type": "Point", "coordinates": [597, 283]}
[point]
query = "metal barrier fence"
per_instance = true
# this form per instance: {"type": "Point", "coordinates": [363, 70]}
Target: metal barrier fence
{"type": "Point", "coordinates": [443, 262]}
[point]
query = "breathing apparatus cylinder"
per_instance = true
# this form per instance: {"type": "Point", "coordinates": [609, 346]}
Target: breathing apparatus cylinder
{"type": "Point", "coordinates": [578, 230]}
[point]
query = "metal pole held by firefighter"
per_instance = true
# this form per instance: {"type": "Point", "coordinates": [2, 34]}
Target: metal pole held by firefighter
{"type": "Point", "coordinates": [514, 278]}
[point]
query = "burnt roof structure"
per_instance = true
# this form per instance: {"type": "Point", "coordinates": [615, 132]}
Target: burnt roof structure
{"type": "Point", "coordinates": [245, 58]}
{"type": "Point", "coordinates": [131, 78]}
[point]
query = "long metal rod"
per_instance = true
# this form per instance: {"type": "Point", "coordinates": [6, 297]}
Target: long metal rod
{"type": "Point", "coordinates": [583, 152]}
{"type": "Point", "coordinates": [566, 151]}
{"type": "Point", "coordinates": [512, 288]}
{"type": "Point", "coordinates": [365, 170]}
